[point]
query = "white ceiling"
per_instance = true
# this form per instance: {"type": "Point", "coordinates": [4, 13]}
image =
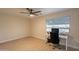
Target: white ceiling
{"type": "Point", "coordinates": [50, 10]}
{"type": "Point", "coordinates": [18, 10]}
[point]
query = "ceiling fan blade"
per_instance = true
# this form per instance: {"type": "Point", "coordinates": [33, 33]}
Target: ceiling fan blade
{"type": "Point", "coordinates": [29, 9]}
{"type": "Point", "coordinates": [36, 12]}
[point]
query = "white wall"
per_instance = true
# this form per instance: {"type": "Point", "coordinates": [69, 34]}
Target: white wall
{"type": "Point", "coordinates": [38, 27]}
{"type": "Point", "coordinates": [13, 27]}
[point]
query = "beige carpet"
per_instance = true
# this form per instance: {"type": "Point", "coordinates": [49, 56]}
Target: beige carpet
{"type": "Point", "coordinates": [27, 44]}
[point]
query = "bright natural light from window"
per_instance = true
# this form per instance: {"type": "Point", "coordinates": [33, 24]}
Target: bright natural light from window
{"type": "Point", "coordinates": [62, 27]}
{"type": "Point", "coordinates": [61, 22]}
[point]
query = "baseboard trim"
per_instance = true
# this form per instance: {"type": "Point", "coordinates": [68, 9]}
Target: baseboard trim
{"type": "Point", "coordinates": [75, 47]}
{"type": "Point", "coordinates": [13, 39]}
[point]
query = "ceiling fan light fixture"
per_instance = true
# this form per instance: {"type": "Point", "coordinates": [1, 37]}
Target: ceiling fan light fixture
{"type": "Point", "coordinates": [31, 15]}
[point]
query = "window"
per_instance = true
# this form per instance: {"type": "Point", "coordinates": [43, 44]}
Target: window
{"type": "Point", "coordinates": [62, 23]}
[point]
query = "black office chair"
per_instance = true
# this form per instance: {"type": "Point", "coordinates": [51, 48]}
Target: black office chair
{"type": "Point", "coordinates": [54, 37]}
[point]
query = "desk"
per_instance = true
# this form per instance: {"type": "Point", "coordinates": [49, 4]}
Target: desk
{"type": "Point", "coordinates": [64, 36]}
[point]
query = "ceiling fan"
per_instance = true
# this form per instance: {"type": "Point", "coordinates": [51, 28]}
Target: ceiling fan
{"type": "Point", "coordinates": [31, 12]}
